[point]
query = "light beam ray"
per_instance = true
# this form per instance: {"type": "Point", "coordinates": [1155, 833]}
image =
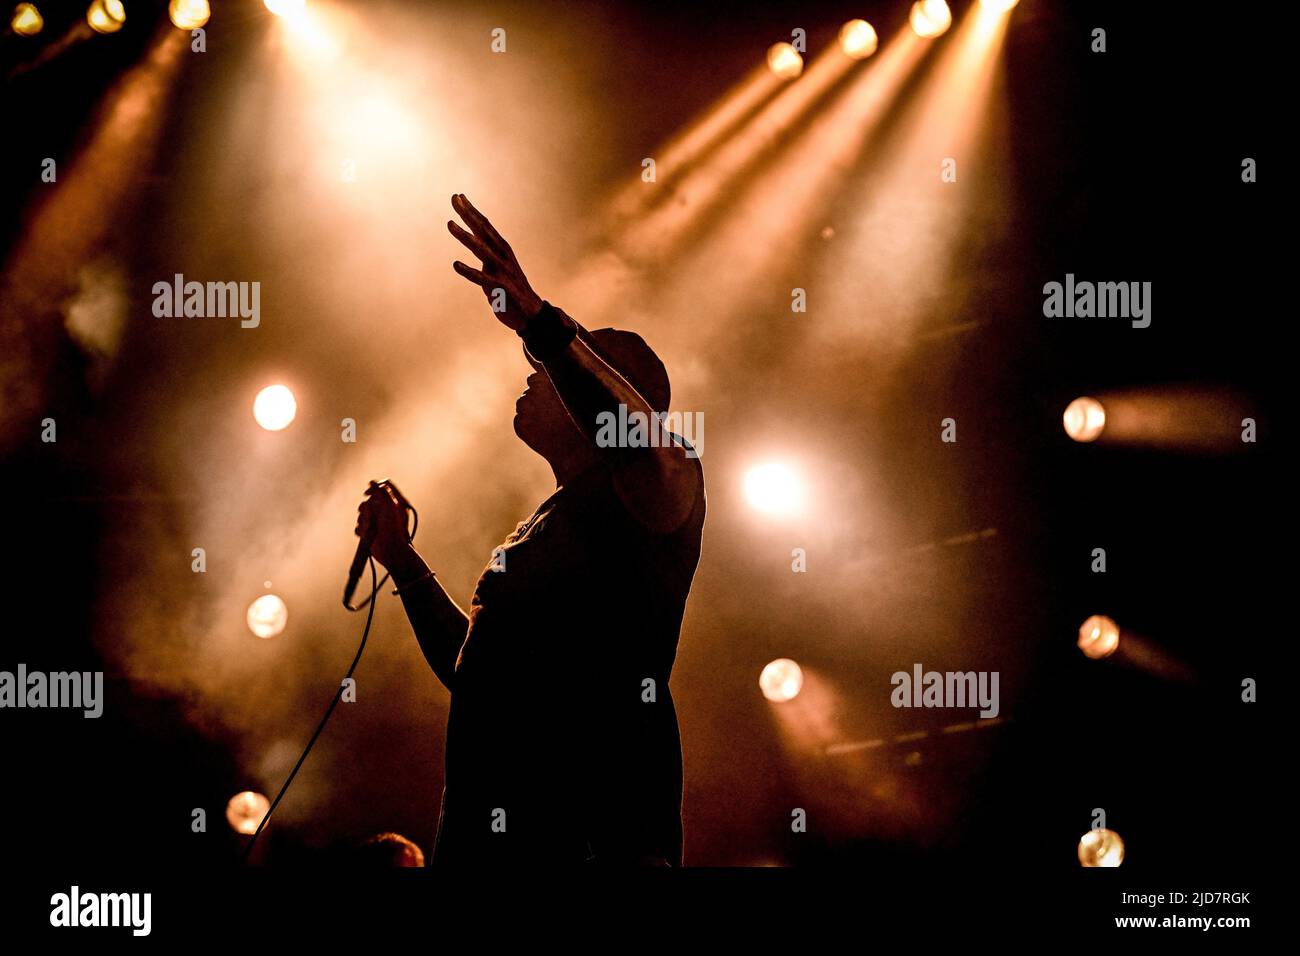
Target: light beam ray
{"type": "Point", "coordinates": [74, 217]}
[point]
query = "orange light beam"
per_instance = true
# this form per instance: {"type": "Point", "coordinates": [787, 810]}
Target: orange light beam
{"type": "Point", "coordinates": [73, 216]}
{"type": "Point", "coordinates": [708, 183]}
{"type": "Point", "coordinates": [906, 199]}
{"type": "Point", "coordinates": [716, 123]}
{"type": "Point", "coordinates": [782, 203]}
{"type": "Point", "coordinates": [1177, 418]}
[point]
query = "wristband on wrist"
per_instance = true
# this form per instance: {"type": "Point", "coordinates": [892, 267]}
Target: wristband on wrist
{"type": "Point", "coordinates": [548, 333]}
{"type": "Point", "coordinates": [402, 587]}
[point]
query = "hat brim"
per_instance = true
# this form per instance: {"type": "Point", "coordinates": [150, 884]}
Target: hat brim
{"type": "Point", "coordinates": [645, 373]}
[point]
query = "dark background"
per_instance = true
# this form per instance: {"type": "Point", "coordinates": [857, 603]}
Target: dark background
{"type": "Point", "coordinates": [1126, 166]}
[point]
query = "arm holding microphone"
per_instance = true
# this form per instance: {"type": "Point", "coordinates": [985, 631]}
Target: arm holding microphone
{"type": "Point", "coordinates": [439, 624]}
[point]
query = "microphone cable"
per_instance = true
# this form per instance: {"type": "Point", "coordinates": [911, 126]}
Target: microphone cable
{"type": "Point", "coordinates": [375, 585]}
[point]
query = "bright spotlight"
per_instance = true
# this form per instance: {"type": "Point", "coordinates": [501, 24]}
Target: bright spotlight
{"type": "Point", "coordinates": [784, 60]}
{"type": "Point", "coordinates": [286, 8]}
{"type": "Point", "coordinates": [189, 14]}
{"type": "Point", "coordinates": [781, 680]}
{"type": "Point", "coordinates": [310, 37]}
{"type": "Point", "coordinates": [275, 407]}
{"type": "Point", "coordinates": [998, 6]}
{"type": "Point", "coordinates": [858, 39]}
{"type": "Point", "coordinates": [1098, 637]}
{"type": "Point", "coordinates": [27, 21]}
{"type": "Point", "coordinates": [1101, 847]}
{"type": "Point", "coordinates": [1084, 419]}
{"type": "Point", "coordinates": [267, 616]}
{"type": "Point", "coordinates": [106, 16]}
{"type": "Point", "coordinates": [245, 811]}
{"type": "Point", "coordinates": [774, 488]}
{"type": "Point", "coordinates": [929, 18]}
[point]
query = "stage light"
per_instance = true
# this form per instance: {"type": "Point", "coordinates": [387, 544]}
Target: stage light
{"type": "Point", "coordinates": [310, 39]}
{"type": "Point", "coordinates": [784, 60]}
{"type": "Point", "coordinates": [267, 616]}
{"type": "Point", "coordinates": [781, 680]}
{"type": "Point", "coordinates": [1084, 419]}
{"type": "Point", "coordinates": [858, 39]}
{"type": "Point", "coordinates": [1101, 847]}
{"type": "Point", "coordinates": [929, 18]}
{"type": "Point", "coordinates": [189, 14]}
{"type": "Point", "coordinates": [245, 811]}
{"type": "Point", "coordinates": [286, 8]}
{"type": "Point", "coordinates": [774, 488]}
{"type": "Point", "coordinates": [275, 407]}
{"type": "Point", "coordinates": [27, 21]}
{"type": "Point", "coordinates": [1098, 637]}
{"type": "Point", "coordinates": [106, 16]}
{"type": "Point", "coordinates": [998, 6]}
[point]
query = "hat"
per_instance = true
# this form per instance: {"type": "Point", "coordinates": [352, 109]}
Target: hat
{"type": "Point", "coordinates": [627, 353]}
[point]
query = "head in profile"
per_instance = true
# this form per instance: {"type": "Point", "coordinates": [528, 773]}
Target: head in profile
{"type": "Point", "coordinates": [542, 422]}
{"type": "Point", "coordinates": [386, 850]}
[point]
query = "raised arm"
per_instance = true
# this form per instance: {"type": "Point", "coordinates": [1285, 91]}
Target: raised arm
{"type": "Point", "coordinates": [658, 483]}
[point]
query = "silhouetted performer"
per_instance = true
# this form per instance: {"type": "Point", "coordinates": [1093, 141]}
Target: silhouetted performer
{"type": "Point", "coordinates": [562, 741]}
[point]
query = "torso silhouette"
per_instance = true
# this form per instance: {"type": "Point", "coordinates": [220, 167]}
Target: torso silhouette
{"type": "Point", "coordinates": [562, 741]}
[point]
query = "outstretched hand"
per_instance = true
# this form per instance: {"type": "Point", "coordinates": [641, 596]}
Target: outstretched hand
{"type": "Point", "coordinates": [501, 270]}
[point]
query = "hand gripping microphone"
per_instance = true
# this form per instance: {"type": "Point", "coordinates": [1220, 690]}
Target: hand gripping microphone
{"type": "Point", "coordinates": [367, 540]}
{"type": "Point", "coordinates": [358, 564]}
{"type": "Point", "coordinates": [354, 575]}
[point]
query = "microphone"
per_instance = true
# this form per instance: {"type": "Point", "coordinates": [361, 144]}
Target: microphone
{"type": "Point", "coordinates": [386, 487]}
{"type": "Point", "coordinates": [358, 565]}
